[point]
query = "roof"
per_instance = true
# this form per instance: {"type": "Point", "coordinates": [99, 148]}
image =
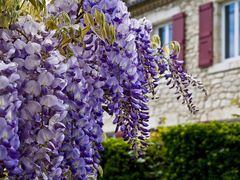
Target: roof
{"type": "Point", "coordinates": [137, 7]}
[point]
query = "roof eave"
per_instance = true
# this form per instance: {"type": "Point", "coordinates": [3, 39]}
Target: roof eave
{"type": "Point", "coordinates": [148, 5]}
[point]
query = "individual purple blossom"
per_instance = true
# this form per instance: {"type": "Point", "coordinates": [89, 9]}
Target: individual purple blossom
{"type": "Point", "coordinates": [32, 62]}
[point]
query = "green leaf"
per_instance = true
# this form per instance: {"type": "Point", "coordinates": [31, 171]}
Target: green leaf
{"type": "Point", "coordinates": [112, 33]}
{"type": "Point", "coordinates": [38, 4]}
{"type": "Point", "coordinates": [50, 24]}
{"type": "Point", "coordinates": [107, 29]}
{"type": "Point", "coordinates": [98, 16]}
{"type": "Point", "coordinates": [100, 170]}
{"type": "Point", "coordinates": [103, 31]}
{"type": "Point", "coordinates": [5, 20]}
{"type": "Point", "coordinates": [66, 17]}
{"type": "Point", "coordinates": [175, 46]}
{"type": "Point", "coordinates": [79, 32]}
{"type": "Point", "coordinates": [102, 18]}
{"type": "Point", "coordinates": [42, 4]}
{"type": "Point", "coordinates": [85, 30]}
{"type": "Point", "coordinates": [71, 30]}
{"type": "Point", "coordinates": [88, 19]}
{"type": "Point", "coordinates": [65, 40]}
{"type": "Point", "coordinates": [34, 3]}
{"type": "Point", "coordinates": [155, 41]}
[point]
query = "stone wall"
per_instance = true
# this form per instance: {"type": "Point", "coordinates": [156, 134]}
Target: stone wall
{"type": "Point", "coordinates": [222, 79]}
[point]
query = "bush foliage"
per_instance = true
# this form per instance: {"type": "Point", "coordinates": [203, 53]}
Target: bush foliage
{"type": "Point", "coordinates": [208, 151]}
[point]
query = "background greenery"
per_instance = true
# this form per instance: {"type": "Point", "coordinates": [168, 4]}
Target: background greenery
{"type": "Point", "coordinates": [206, 151]}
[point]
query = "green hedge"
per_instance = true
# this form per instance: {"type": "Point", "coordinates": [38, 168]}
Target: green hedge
{"type": "Point", "coordinates": [209, 151]}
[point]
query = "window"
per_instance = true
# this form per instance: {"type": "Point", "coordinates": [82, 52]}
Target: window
{"type": "Point", "coordinates": [165, 33]}
{"type": "Point", "coordinates": [231, 30]}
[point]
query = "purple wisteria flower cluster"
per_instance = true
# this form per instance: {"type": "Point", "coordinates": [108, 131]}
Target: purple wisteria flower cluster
{"type": "Point", "coordinates": [57, 77]}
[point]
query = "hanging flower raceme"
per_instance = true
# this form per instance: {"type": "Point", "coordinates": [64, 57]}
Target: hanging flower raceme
{"type": "Point", "coordinates": [9, 106]}
{"type": "Point", "coordinates": [58, 76]}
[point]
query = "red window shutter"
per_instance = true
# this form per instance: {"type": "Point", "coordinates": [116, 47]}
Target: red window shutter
{"type": "Point", "coordinates": [179, 32]}
{"type": "Point", "coordinates": [206, 35]}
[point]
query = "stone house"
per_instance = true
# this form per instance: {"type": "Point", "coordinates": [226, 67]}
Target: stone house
{"type": "Point", "coordinates": [209, 33]}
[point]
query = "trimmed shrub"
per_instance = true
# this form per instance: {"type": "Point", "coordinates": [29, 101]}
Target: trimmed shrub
{"type": "Point", "coordinates": [209, 151]}
{"type": "Point", "coordinates": [203, 151]}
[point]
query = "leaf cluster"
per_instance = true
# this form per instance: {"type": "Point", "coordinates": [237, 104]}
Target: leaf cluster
{"type": "Point", "coordinates": [10, 10]}
{"type": "Point", "coordinates": [100, 27]}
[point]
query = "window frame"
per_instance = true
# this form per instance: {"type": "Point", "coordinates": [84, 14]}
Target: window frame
{"type": "Point", "coordinates": [167, 31]}
{"type": "Point", "coordinates": [236, 30]}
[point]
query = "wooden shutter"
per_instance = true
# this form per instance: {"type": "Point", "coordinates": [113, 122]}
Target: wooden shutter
{"type": "Point", "coordinates": [206, 35]}
{"type": "Point", "coordinates": [179, 32]}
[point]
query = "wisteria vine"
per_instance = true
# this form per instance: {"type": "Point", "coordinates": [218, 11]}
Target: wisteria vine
{"type": "Point", "coordinates": [60, 72]}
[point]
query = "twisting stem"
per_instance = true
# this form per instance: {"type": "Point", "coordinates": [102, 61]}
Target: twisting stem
{"type": "Point", "coordinates": [22, 33]}
{"type": "Point", "coordinates": [80, 14]}
{"type": "Point", "coordinates": [22, 4]}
